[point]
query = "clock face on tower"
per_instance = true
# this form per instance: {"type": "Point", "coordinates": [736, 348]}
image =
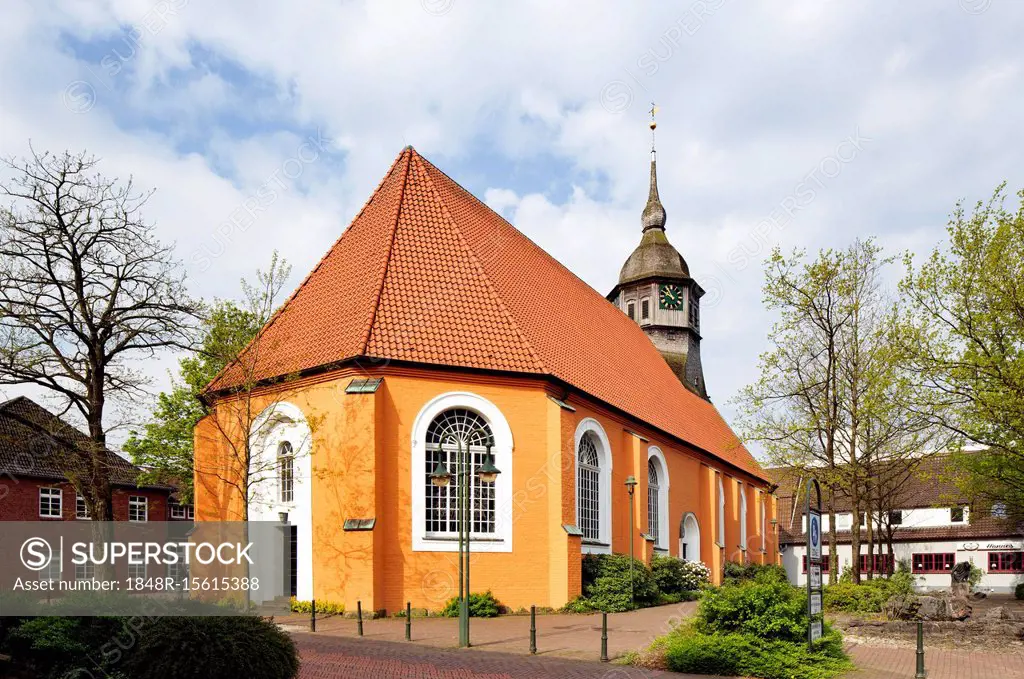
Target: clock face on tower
{"type": "Point", "coordinates": [670, 296]}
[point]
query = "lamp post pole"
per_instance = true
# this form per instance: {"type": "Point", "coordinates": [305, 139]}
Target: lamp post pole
{"type": "Point", "coordinates": [440, 477]}
{"type": "Point", "coordinates": [630, 487]}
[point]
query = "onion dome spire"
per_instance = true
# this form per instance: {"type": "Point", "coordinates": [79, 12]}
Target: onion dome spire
{"type": "Point", "coordinates": [653, 216]}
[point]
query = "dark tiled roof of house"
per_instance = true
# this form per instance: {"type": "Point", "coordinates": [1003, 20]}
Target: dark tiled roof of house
{"type": "Point", "coordinates": [931, 484]}
{"type": "Point", "coordinates": [36, 443]}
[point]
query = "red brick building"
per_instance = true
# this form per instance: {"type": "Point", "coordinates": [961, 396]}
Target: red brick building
{"type": "Point", "coordinates": [37, 449]}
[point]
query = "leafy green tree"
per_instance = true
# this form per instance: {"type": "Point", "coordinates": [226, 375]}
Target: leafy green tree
{"type": "Point", "coordinates": [965, 343]}
{"type": "Point", "coordinates": [164, 446]}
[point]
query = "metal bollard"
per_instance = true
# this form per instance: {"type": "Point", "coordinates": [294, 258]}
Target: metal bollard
{"type": "Point", "coordinates": [604, 637]}
{"type": "Point", "coordinates": [408, 621]}
{"type": "Point", "coordinates": [533, 630]}
{"type": "Point", "coordinates": [359, 617]}
{"type": "Point", "coordinates": [312, 616]}
{"type": "Point", "coordinates": [921, 673]}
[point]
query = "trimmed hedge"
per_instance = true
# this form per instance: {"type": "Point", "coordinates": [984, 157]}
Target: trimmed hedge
{"type": "Point", "coordinates": [481, 605]}
{"type": "Point", "coordinates": [606, 580]}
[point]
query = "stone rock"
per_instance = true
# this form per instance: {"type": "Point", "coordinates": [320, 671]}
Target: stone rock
{"type": "Point", "coordinates": [939, 607]}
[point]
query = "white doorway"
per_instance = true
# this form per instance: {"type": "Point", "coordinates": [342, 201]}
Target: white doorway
{"type": "Point", "coordinates": [689, 538]}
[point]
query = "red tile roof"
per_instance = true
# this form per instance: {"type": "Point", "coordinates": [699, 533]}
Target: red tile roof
{"type": "Point", "coordinates": [428, 273]}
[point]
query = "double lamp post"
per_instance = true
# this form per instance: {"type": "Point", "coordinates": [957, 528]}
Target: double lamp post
{"type": "Point", "coordinates": [441, 477]}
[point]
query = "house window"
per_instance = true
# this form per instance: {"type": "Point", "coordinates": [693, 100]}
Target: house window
{"type": "Point", "coordinates": [824, 563]}
{"type": "Point", "coordinates": [694, 313]}
{"type": "Point", "coordinates": [896, 517]}
{"type": "Point", "coordinates": [50, 503]}
{"type": "Point", "coordinates": [631, 310]}
{"type": "Point", "coordinates": [182, 512]}
{"type": "Point", "coordinates": [764, 514]}
{"type": "Point", "coordinates": [863, 520]}
{"type": "Point", "coordinates": [645, 309]}
{"type": "Point", "coordinates": [178, 571]}
{"type": "Point", "coordinates": [588, 489]}
{"type": "Point", "coordinates": [999, 511]}
{"type": "Point", "coordinates": [286, 471]}
{"type": "Point", "coordinates": [956, 515]}
{"type": "Point", "coordinates": [137, 570]}
{"type": "Point", "coordinates": [743, 515]}
{"type": "Point", "coordinates": [653, 502]}
{"type": "Point", "coordinates": [138, 508]}
{"type": "Point", "coordinates": [452, 429]}
{"type": "Point", "coordinates": [881, 563]}
{"type": "Point", "coordinates": [1006, 562]}
{"type": "Point", "coordinates": [721, 512]}
{"type": "Point", "coordinates": [933, 563]}
{"type": "Point", "coordinates": [85, 571]}
{"type": "Point", "coordinates": [51, 571]}
{"type": "Point", "coordinates": [81, 509]}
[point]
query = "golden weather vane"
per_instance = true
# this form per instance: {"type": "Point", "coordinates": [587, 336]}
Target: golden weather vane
{"type": "Point", "coordinates": [653, 124]}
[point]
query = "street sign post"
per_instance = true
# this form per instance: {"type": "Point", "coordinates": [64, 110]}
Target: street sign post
{"type": "Point", "coordinates": [814, 614]}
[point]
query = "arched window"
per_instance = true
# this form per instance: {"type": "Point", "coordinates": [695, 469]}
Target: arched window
{"type": "Point", "coordinates": [743, 515]}
{"type": "Point", "coordinates": [653, 500]}
{"type": "Point", "coordinates": [721, 512]}
{"type": "Point", "coordinates": [588, 488]}
{"type": "Point", "coordinates": [286, 471]}
{"type": "Point", "coordinates": [689, 538]}
{"type": "Point", "coordinates": [450, 430]}
{"type": "Point", "coordinates": [764, 512]}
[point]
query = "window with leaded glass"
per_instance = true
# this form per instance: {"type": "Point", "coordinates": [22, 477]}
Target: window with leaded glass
{"type": "Point", "coordinates": [653, 501]}
{"type": "Point", "coordinates": [286, 471]}
{"type": "Point", "coordinates": [453, 431]}
{"type": "Point", "coordinates": [588, 489]}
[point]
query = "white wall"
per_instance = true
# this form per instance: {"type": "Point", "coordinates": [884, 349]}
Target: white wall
{"type": "Point", "coordinates": [975, 552]}
{"type": "Point", "coordinates": [926, 517]}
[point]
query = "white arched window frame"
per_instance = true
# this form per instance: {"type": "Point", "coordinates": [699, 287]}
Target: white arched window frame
{"type": "Point", "coordinates": [689, 537]}
{"type": "Point", "coordinates": [657, 502]}
{"type": "Point", "coordinates": [743, 514]}
{"type": "Point", "coordinates": [498, 540]}
{"type": "Point", "coordinates": [764, 512]}
{"type": "Point", "coordinates": [282, 427]}
{"type": "Point", "coordinates": [591, 430]}
{"type": "Point", "coordinates": [720, 538]}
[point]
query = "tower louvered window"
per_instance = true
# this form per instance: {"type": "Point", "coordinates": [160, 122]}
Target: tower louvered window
{"type": "Point", "coordinates": [588, 491]}
{"type": "Point", "coordinates": [449, 430]}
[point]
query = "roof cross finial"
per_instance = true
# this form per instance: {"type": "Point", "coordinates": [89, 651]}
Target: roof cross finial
{"type": "Point", "coordinates": [653, 125]}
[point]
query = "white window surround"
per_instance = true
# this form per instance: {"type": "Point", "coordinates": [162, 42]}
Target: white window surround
{"type": "Point", "coordinates": [654, 453]}
{"type": "Point", "coordinates": [502, 452]}
{"type": "Point", "coordinates": [138, 505]}
{"type": "Point", "coordinates": [604, 452]}
{"type": "Point", "coordinates": [689, 534]}
{"type": "Point", "coordinates": [48, 499]}
{"type": "Point", "coordinates": [764, 518]}
{"type": "Point", "coordinates": [284, 421]}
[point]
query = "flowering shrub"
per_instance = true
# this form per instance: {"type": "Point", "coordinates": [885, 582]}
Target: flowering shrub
{"type": "Point", "coordinates": [674, 576]}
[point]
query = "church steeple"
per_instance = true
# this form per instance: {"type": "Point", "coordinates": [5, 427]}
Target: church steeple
{"type": "Point", "coordinates": [654, 215]}
{"type": "Point", "coordinates": [655, 290]}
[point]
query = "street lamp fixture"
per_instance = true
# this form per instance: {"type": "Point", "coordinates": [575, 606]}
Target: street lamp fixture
{"type": "Point", "coordinates": [487, 472]}
{"type": "Point", "coordinates": [630, 488]}
{"type": "Point", "coordinates": [440, 476]}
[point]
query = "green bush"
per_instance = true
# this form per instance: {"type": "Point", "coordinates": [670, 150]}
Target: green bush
{"type": "Point", "coordinates": [751, 571]}
{"type": "Point", "coordinates": [481, 605]}
{"type": "Point", "coordinates": [869, 595]}
{"type": "Point", "coordinates": [325, 607]}
{"type": "Point", "coordinates": [152, 648]}
{"type": "Point", "coordinates": [580, 604]}
{"type": "Point", "coordinates": [1019, 591]}
{"type": "Point", "coordinates": [675, 576]}
{"type": "Point", "coordinates": [765, 607]}
{"type": "Point", "coordinates": [237, 646]}
{"type": "Point", "coordinates": [606, 583]}
{"type": "Point", "coordinates": [688, 650]}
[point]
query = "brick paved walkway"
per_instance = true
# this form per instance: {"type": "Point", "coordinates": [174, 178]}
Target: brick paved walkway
{"type": "Point", "coordinates": [893, 662]}
{"type": "Point", "coordinates": [343, 657]}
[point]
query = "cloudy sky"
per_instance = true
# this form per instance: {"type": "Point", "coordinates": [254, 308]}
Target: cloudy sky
{"type": "Point", "coordinates": [803, 124]}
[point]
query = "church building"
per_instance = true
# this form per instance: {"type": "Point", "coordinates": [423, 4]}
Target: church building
{"type": "Point", "coordinates": [433, 327]}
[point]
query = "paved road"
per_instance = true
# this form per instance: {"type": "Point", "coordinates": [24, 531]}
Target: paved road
{"type": "Point", "coordinates": [342, 657]}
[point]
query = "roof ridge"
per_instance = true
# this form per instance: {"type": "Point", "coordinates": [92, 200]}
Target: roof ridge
{"type": "Point", "coordinates": [284, 305]}
{"type": "Point", "coordinates": [478, 265]}
{"type": "Point", "coordinates": [409, 154]}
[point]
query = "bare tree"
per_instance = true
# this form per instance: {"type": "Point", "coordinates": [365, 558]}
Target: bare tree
{"type": "Point", "coordinates": [86, 289]}
{"type": "Point", "coordinates": [236, 419]}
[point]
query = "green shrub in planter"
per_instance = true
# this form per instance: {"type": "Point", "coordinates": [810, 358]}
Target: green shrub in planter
{"type": "Point", "coordinates": [606, 583]}
{"type": "Point", "coordinates": [675, 576]}
{"type": "Point", "coordinates": [481, 605]}
{"type": "Point", "coordinates": [325, 607]}
{"type": "Point", "coordinates": [768, 608]}
{"type": "Point", "coordinates": [237, 646]}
